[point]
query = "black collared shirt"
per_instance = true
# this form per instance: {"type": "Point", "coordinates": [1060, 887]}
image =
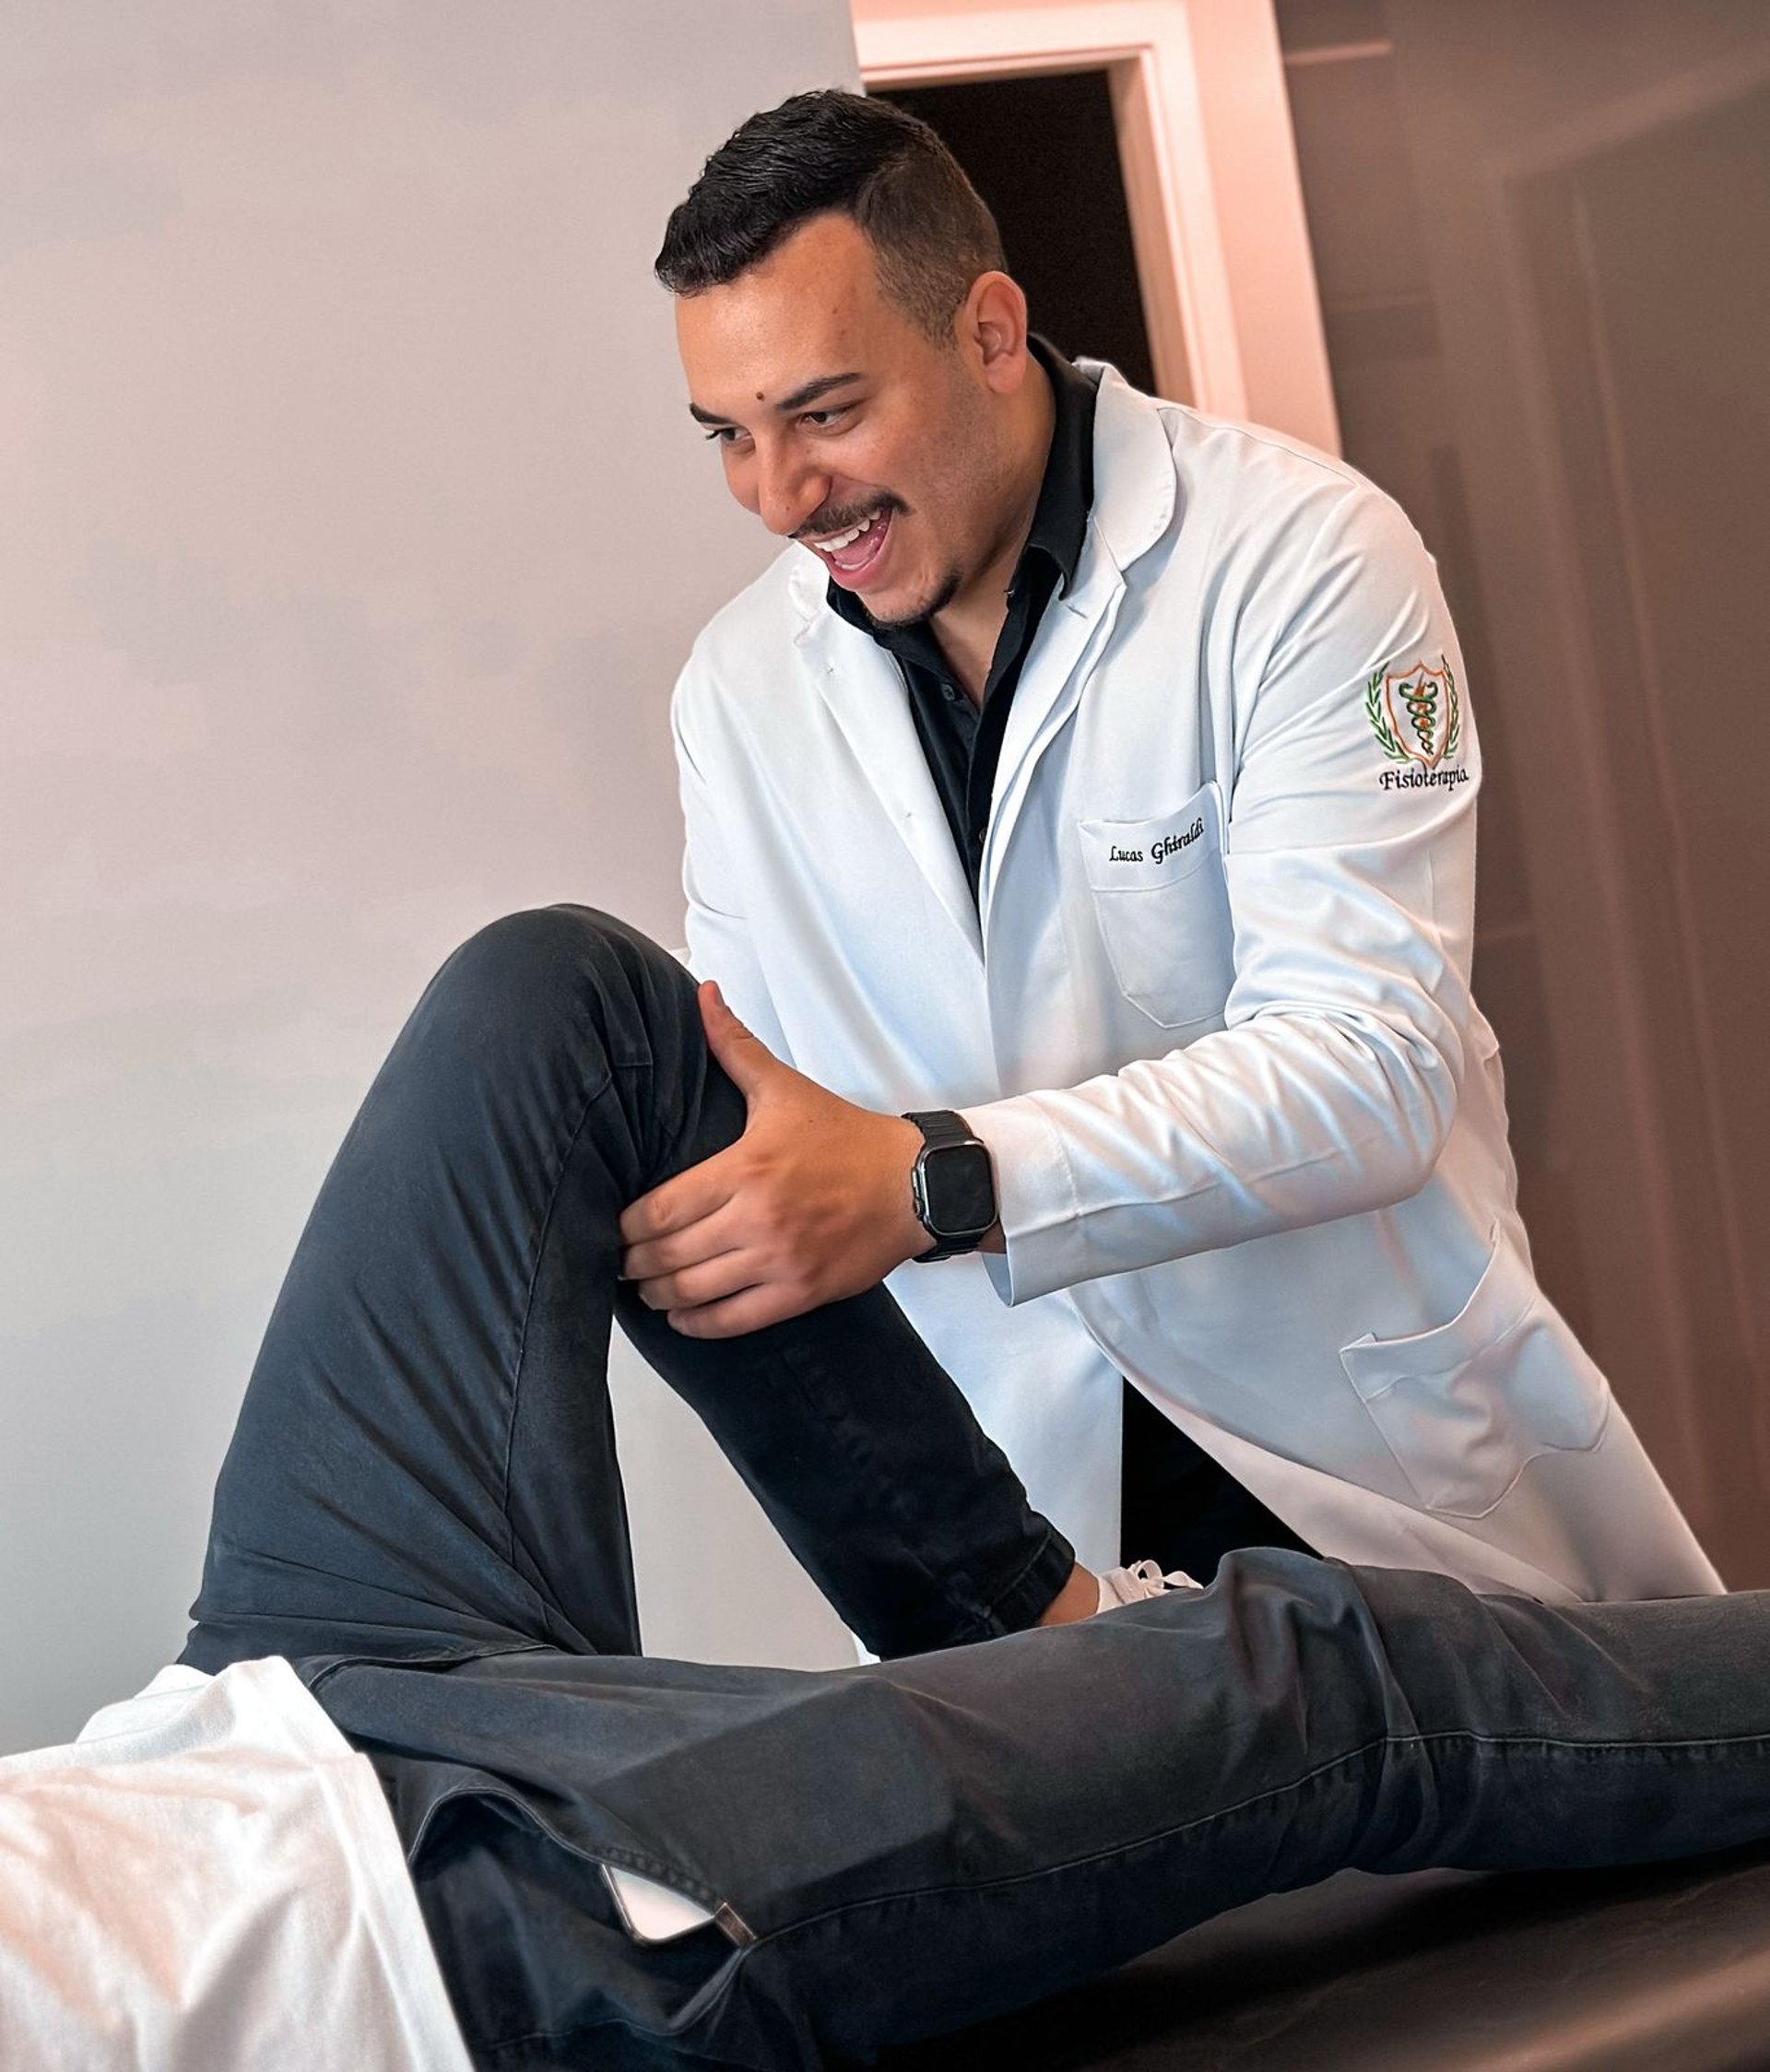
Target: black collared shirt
{"type": "Point", "coordinates": [962, 744]}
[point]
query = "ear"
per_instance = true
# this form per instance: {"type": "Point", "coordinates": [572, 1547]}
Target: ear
{"type": "Point", "coordinates": [993, 326]}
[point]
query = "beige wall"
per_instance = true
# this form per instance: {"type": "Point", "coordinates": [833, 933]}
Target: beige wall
{"type": "Point", "coordinates": [351, 529]}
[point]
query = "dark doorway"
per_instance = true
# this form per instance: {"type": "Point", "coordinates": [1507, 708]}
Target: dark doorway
{"type": "Point", "coordinates": [1043, 151]}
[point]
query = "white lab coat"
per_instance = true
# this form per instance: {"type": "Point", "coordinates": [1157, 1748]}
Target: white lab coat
{"type": "Point", "coordinates": [1214, 1022]}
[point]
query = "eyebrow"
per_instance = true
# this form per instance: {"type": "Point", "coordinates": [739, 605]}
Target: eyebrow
{"type": "Point", "coordinates": [799, 398]}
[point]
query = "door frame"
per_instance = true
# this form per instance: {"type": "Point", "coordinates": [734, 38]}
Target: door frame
{"type": "Point", "coordinates": [1209, 167]}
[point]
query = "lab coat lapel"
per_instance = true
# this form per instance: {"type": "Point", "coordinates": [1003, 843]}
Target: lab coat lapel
{"type": "Point", "coordinates": [863, 691]}
{"type": "Point", "coordinates": [1073, 628]}
{"type": "Point", "coordinates": [1134, 500]}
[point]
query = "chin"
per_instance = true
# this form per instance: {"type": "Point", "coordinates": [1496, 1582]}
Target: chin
{"type": "Point", "coordinates": [901, 609]}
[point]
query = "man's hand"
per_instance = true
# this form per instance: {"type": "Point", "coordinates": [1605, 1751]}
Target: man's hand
{"type": "Point", "coordinates": [812, 1203]}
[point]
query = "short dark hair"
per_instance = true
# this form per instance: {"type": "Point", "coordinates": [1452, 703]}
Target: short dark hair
{"type": "Point", "coordinates": [832, 152]}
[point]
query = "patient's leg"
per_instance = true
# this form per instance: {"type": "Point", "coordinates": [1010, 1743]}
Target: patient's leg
{"type": "Point", "coordinates": [424, 1465]}
{"type": "Point", "coordinates": [424, 1473]}
{"type": "Point", "coordinates": [902, 1848]}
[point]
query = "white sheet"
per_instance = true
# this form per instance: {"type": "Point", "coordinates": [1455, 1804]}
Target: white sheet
{"type": "Point", "coordinates": [210, 1877]}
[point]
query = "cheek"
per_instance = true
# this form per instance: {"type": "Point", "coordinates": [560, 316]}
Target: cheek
{"type": "Point", "coordinates": [855, 469]}
{"type": "Point", "coordinates": [916, 479]}
{"type": "Point", "coordinates": [938, 504]}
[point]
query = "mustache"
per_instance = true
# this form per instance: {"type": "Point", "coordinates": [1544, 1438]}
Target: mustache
{"type": "Point", "coordinates": [837, 518]}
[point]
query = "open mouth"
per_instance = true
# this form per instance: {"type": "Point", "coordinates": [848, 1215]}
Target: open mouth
{"type": "Point", "coordinates": [851, 555]}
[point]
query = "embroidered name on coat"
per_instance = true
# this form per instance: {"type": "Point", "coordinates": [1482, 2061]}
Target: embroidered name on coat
{"type": "Point", "coordinates": [1158, 853]}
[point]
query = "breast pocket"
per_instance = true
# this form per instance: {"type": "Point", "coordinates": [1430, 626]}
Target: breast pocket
{"type": "Point", "coordinates": [1463, 1408]}
{"type": "Point", "coordinates": [1162, 903]}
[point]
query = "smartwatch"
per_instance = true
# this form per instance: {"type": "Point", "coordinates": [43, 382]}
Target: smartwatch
{"type": "Point", "coordinates": [952, 1184]}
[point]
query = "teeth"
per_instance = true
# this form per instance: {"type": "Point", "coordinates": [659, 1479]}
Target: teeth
{"type": "Point", "coordinates": [837, 541]}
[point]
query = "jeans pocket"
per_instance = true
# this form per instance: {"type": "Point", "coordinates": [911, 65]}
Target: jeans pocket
{"type": "Point", "coordinates": [532, 1942]}
{"type": "Point", "coordinates": [1466, 1406]}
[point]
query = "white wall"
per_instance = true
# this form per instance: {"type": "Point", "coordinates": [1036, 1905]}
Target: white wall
{"type": "Point", "coordinates": [351, 530]}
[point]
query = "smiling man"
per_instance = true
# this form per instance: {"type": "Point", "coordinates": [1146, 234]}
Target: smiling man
{"type": "Point", "coordinates": [1081, 820]}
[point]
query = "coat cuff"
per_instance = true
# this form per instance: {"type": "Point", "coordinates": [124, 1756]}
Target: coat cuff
{"type": "Point", "coordinates": [1035, 1198]}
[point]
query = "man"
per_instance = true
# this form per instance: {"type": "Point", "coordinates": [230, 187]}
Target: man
{"type": "Point", "coordinates": [418, 1555]}
{"type": "Point", "coordinates": [1095, 781]}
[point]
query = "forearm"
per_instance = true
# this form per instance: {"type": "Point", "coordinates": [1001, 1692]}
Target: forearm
{"type": "Point", "coordinates": [1288, 1120]}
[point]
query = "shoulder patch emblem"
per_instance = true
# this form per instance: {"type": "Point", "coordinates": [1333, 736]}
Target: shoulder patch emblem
{"type": "Point", "coordinates": [1415, 713]}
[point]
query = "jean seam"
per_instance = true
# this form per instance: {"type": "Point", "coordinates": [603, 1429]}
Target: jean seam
{"type": "Point", "coordinates": [661, 1870]}
{"type": "Point", "coordinates": [541, 1231]}
{"type": "Point", "coordinates": [432, 1664]}
{"type": "Point", "coordinates": [1289, 1789]}
{"type": "Point", "coordinates": [1010, 1589]}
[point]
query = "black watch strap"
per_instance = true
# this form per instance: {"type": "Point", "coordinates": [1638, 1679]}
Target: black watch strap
{"type": "Point", "coordinates": [940, 1125]}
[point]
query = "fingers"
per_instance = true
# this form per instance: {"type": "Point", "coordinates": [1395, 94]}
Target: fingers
{"type": "Point", "coordinates": [716, 1294]}
{"type": "Point", "coordinates": [702, 1262]}
{"type": "Point", "coordinates": [737, 1314]}
{"type": "Point", "coordinates": [708, 1280]}
{"type": "Point", "coordinates": [653, 1257]}
{"type": "Point", "coordinates": [679, 1204]}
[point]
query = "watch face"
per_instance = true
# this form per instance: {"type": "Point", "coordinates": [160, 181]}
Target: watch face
{"type": "Point", "coordinates": [960, 1190]}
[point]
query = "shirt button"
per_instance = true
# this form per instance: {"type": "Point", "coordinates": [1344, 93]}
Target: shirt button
{"type": "Point", "coordinates": [950, 694]}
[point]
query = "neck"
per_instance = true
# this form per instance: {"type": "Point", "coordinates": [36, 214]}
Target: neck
{"type": "Point", "coordinates": [968, 628]}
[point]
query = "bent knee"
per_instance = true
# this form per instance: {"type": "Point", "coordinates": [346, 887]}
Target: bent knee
{"type": "Point", "coordinates": [544, 962]}
{"type": "Point", "coordinates": [536, 944]}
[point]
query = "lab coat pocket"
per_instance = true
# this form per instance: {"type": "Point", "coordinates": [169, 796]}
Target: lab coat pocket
{"type": "Point", "coordinates": [1463, 1408]}
{"type": "Point", "coordinates": [1162, 903]}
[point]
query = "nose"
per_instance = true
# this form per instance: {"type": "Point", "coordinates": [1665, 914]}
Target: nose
{"type": "Point", "coordinates": [787, 489]}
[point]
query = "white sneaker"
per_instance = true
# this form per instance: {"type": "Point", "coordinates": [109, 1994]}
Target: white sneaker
{"type": "Point", "coordinates": [1141, 1580]}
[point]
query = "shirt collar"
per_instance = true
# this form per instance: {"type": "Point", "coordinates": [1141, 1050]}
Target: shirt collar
{"type": "Point", "coordinates": [1066, 494]}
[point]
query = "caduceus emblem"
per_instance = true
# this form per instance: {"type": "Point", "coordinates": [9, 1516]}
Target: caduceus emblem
{"type": "Point", "coordinates": [1415, 714]}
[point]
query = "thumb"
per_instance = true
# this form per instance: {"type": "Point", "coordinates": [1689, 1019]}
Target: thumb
{"type": "Point", "coordinates": [748, 1061]}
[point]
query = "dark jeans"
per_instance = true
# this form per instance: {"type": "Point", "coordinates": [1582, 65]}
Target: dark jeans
{"type": "Point", "coordinates": [421, 1507]}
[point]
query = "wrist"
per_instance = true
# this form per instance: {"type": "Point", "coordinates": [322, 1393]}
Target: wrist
{"type": "Point", "coordinates": [898, 1199]}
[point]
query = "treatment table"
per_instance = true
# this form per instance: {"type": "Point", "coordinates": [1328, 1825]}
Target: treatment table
{"type": "Point", "coordinates": [1665, 1969]}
